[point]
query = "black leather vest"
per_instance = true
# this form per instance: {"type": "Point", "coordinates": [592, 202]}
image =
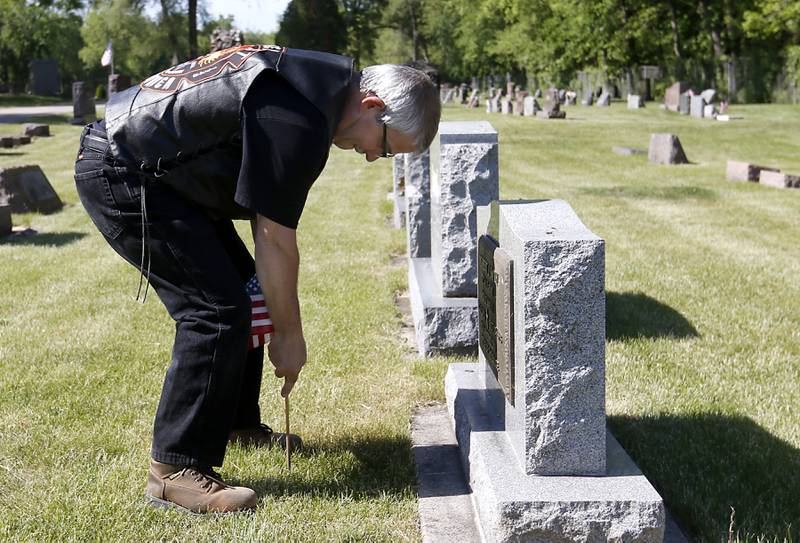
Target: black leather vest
{"type": "Point", "coordinates": [189, 111]}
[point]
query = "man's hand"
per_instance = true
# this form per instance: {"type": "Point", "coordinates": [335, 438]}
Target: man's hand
{"type": "Point", "coordinates": [288, 354]}
{"type": "Point", "coordinates": [277, 263]}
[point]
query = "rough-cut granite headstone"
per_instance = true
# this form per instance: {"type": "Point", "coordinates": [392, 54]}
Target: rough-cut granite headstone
{"type": "Point", "coordinates": [25, 188]}
{"type": "Point", "coordinates": [398, 191]}
{"type": "Point", "coordinates": [779, 180]}
{"type": "Point", "coordinates": [418, 203]}
{"type": "Point", "coordinates": [628, 151]}
{"type": "Point", "coordinates": [556, 423]}
{"type": "Point", "coordinates": [464, 174]}
{"type": "Point", "coordinates": [6, 226]}
{"type": "Point", "coordinates": [83, 107]}
{"type": "Point", "coordinates": [696, 105]}
{"type": "Point", "coordinates": [635, 101]}
{"type": "Point", "coordinates": [684, 103]}
{"type": "Point", "coordinates": [666, 149]}
{"type": "Point", "coordinates": [673, 94]}
{"type": "Point", "coordinates": [38, 130]}
{"type": "Point", "coordinates": [743, 171]}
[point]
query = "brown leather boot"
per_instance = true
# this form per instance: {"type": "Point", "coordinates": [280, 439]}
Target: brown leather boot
{"type": "Point", "coordinates": [263, 436]}
{"type": "Point", "coordinates": [195, 490]}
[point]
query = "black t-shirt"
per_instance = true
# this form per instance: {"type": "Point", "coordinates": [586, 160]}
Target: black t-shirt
{"type": "Point", "coordinates": [285, 145]}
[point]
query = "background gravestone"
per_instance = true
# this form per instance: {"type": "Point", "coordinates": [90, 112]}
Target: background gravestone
{"type": "Point", "coordinates": [696, 104]}
{"type": "Point", "coordinates": [673, 94]}
{"type": "Point", "coordinates": [684, 103]}
{"type": "Point", "coordinates": [25, 188]}
{"type": "Point", "coordinates": [635, 101]}
{"type": "Point", "coordinates": [778, 179]}
{"type": "Point", "coordinates": [44, 78]}
{"type": "Point", "coordinates": [398, 191]}
{"type": "Point", "coordinates": [605, 99]}
{"type": "Point", "coordinates": [38, 130]}
{"type": "Point", "coordinates": [666, 149]}
{"type": "Point", "coordinates": [83, 107]}
{"type": "Point", "coordinates": [117, 83]}
{"type": "Point", "coordinates": [6, 226]}
{"type": "Point", "coordinates": [418, 204]}
{"type": "Point", "coordinates": [551, 109]}
{"type": "Point", "coordinates": [743, 171]}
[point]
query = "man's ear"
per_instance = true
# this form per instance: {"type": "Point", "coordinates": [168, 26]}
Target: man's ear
{"type": "Point", "coordinates": [371, 101]}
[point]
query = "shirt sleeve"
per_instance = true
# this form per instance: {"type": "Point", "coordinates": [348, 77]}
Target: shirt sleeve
{"type": "Point", "coordinates": [284, 149]}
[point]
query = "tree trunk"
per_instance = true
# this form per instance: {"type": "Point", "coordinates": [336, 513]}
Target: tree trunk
{"type": "Point", "coordinates": [192, 28]}
{"type": "Point", "coordinates": [676, 40]}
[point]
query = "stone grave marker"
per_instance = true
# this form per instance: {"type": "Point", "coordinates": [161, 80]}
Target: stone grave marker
{"type": "Point", "coordinates": [551, 109]}
{"type": "Point", "coordinates": [529, 416]}
{"type": "Point", "coordinates": [44, 78]}
{"type": "Point", "coordinates": [6, 225]}
{"type": "Point", "coordinates": [605, 99]}
{"type": "Point", "coordinates": [443, 288]}
{"type": "Point", "coordinates": [588, 98]}
{"type": "Point", "coordinates": [628, 151]}
{"type": "Point", "coordinates": [684, 103]}
{"type": "Point", "coordinates": [673, 94]}
{"type": "Point", "coordinates": [519, 102]}
{"type": "Point", "coordinates": [709, 111]}
{"type": "Point", "coordinates": [20, 140]}
{"type": "Point", "coordinates": [570, 97]}
{"type": "Point", "coordinates": [398, 191]}
{"type": "Point", "coordinates": [25, 188]}
{"type": "Point", "coordinates": [6, 141]}
{"type": "Point", "coordinates": [418, 203]}
{"type": "Point", "coordinates": [83, 108]}
{"type": "Point", "coordinates": [666, 149]}
{"type": "Point", "coordinates": [530, 106]}
{"type": "Point", "coordinates": [38, 130]}
{"type": "Point", "coordinates": [505, 105]}
{"type": "Point", "coordinates": [696, 105]}
{"type": "Point", "coordinates": [708, 95]}
{"type": "Point", "coordinates": [474, 99]}
{"type": "Point", "coordinates": [779, 179]}
{"type": "Point", "coordinates": [743, 171]}
{"type": "Point", "coordinates": [117, 83]}
{"type": "Point", "coordinates": [635, 101]}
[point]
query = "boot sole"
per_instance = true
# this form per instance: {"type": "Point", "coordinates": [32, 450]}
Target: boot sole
{"type": "Point", "coordinates": [158, 503]}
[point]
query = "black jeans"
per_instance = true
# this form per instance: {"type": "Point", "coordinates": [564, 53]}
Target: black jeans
{"type": "Point", "coordinates": [198, 268]}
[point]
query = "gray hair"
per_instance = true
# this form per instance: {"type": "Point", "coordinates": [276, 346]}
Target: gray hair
{"type": "Point", "coordinates": [412, 102]}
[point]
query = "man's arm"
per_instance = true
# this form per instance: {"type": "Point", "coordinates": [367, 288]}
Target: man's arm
{"type": "Point", "coordinates": [277, 263]}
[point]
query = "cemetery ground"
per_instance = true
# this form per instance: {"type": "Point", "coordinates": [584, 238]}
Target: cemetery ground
{"type": "Point", "coordinates": [702, 351]}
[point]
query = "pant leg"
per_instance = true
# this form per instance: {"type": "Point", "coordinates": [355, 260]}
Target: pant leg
{"type": "Point", "coordinates": [196, 279]}
{"type": "Point", "coordinates": [248, 413]}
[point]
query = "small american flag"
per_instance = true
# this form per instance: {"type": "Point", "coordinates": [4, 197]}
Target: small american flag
{"type": "Point", "coordinates": [260, 321]}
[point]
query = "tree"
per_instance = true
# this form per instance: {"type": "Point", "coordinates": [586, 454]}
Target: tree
{"type": "Point", "coordinates": [312, 24]}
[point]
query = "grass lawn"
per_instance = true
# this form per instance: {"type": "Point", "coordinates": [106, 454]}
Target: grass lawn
{"type": "Point", "coordinates": [17, 100]}
{"type": "Point", "coordinates": [703, 350]}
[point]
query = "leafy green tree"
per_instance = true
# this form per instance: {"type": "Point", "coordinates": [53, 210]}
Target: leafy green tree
{"type": "Point", "coordinates": [312, 24]}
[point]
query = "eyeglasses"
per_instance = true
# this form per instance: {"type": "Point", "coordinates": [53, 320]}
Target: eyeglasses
{"type": "Point", "coordinates": [385, 153]}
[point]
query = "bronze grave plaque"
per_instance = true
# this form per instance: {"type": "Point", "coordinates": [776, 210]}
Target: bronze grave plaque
{"type": "Point", "coordinates": [504, 318]}
{"type": "Point", "coordinates": [487, 322]}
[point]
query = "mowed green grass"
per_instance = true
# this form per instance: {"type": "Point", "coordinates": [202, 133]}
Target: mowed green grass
{"type": "Point", "coordinates": [703, 351]}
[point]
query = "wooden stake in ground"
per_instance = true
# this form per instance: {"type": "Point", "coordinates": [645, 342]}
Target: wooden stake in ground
{"type": "Point", "coordinates": [288, 440]}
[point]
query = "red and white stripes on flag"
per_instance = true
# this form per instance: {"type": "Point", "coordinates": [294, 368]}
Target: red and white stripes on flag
{"type": "Point", "coordinates": [260, 321]}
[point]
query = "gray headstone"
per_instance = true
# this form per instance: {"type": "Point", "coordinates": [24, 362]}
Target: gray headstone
{"type": "Point", "coordinates": [605, 99]}
{"type": "Point", "coordinates": [666, 149]}
{"type": "Point", "coordinates": [628, 151]}
{"type": "Point", "coordinates": [673, 94]}
{"type": "Point", "coordinates": [635, 101]}
{"type": "Point", "coordinates": [743, 171]}
{"type": "Point", "coordinates": [530, 106]}
{"type": "Point", "coordinates": [779, 180]}
{"type": "Point", "coordinates": [6, 225]}
{"type": "Point", "coordinates": [38, 130]}
{"type": "Point", "coordinates": [696, 106]}
{"type": "Point", "coordinates": [588, 98]}
{"type": "Point", "coordinates": [83, 107]}
{"type": "Point", "coordinates": [418, 204]}
{"type": "Point", "coordinates": [505, 106]}
{"type": "Point", "coordinates": [25, 188]}
{"type": "Point", "coordinates": [464, 174]}
{"type": "Point", "coordinates": [709, 111]}
{"type": "Point", "coordinates": [708, 95]}
{"type": "Point", "coordinates": [684, 103]}
{"type": "Point", "coordinates": [44, 78]}
{"type": "Point", "coordinates": [398, 190]}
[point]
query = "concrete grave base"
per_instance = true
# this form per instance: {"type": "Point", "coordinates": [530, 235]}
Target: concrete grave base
{"type": "Point", "coordinates": [513, 506]}
{"type": "Point", "coordinates": [442, 325]}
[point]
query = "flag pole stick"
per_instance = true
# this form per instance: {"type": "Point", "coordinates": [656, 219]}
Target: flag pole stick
{"type": "Point", "coordinates": [288, 440]}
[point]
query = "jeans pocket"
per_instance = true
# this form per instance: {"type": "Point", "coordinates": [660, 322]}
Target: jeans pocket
{"type": "Point", "coordinates": [98, 200]}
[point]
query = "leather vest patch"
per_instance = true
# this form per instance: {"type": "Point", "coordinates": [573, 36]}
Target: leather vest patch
{"type": "Point", "coordinates": [196, 71]}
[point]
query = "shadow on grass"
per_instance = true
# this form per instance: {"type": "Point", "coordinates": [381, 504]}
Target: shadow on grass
{"type": "Point", "coordinates": [11, 153]}
{"type": "Point", "coordinates": [45, 239]}
{"type": "Point", "coordinates": [702, 465]}
{"type": "Point", "coordinates": [365, 468]}
{"type": "Point", "coordinates": [653, 192]}
{"type": "Point", "coordinates": [632, 315]}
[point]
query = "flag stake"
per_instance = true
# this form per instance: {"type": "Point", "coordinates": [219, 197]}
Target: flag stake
{"type": "Point", "coordinates": [288, 440]}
